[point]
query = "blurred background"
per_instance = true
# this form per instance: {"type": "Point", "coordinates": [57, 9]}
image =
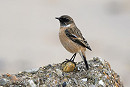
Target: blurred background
{"type": "Point", "coordinates": [29, 33]}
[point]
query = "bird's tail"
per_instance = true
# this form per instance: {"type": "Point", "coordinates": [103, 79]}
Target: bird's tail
{"type": "Point", "coordinates": [82, 54]}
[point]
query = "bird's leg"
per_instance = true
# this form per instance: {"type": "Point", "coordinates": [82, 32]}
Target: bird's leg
{"type": "Point", "coordinates": [82, 54]}
{"type": "Point", "coordinates": [86, 63]}
{"type": "Point", "coordinates": [73, 57]}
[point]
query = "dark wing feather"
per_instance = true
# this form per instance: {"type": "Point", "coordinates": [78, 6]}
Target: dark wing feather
{"type": "Point", "coordinates": [75, 35]}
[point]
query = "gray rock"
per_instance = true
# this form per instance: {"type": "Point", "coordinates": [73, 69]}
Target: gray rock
{"type": "Point", "coordinates": [100, 74]}
{"type": "Point", "coordinates": [3, 82]}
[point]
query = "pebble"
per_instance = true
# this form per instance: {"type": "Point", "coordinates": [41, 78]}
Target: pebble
{"type": "Point", "coordinates": [31, 83]}
{"type": "Point", "coordinates": [101, 82]}
{"type": "Point", "coordinates": [64, 84]}
{"type": "Point", "coordinates": [31, 70]}
{"type": "Point", "coordinates": [59, 72]}
{"type": "Point", "coordinates": [92, 86]}
{"type": "Point", "coordinates": [84, 79]}
{"type": "Point", "coordinates": [75, 81]}
{"type": "Point", "coordinates": [3, 82]}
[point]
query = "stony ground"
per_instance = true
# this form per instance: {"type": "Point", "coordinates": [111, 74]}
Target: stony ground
{"type": "Point", "coordinates": [100, 74]}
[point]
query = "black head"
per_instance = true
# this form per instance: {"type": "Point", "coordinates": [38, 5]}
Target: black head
{"type": "Point", "coordinates": [65, 20]}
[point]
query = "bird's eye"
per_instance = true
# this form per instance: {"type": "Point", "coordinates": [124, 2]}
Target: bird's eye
{"type": "Point", "coordinates": [65, 20]}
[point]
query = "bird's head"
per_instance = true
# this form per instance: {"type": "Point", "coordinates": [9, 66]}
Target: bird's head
{"type": "Point", "coordinates": [65, 20]}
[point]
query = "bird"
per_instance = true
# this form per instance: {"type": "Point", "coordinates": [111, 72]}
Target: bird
{"type": "Point", "coordinates": [72, 39]}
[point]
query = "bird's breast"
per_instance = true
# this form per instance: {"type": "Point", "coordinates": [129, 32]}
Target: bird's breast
{"type": "Point", "coordinates": [68, 44]}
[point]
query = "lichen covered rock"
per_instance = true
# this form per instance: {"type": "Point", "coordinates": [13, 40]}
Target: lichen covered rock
{"type": "Point", "coordinates": [99, 74]}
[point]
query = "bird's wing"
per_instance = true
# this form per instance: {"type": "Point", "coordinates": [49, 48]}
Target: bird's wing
{"type": "Point", "coordinates": [75, 35]}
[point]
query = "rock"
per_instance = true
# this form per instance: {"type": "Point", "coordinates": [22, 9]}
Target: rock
{"type": "Point", "coordinates": [64, 84]}
{"type": "Point", "coordinates": [3, 82]}
{"type": "Point", "coordinates": [99, 74]}
{"type": "Point", "coordinates": [59, 72]}
{"type": "Point", "coordinates": [101, 83]}
{"type": "Point", "coordinates": [31, 83]}
{"type": "Point", "coordinates": [84, 79]}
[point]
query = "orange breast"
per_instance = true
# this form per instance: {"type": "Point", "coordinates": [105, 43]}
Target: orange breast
{"type": "Point", "coordinates": [68, 44]}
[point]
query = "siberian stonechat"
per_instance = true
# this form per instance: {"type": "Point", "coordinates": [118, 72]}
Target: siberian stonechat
{"type": "Point", "coordinates": [71, 38]}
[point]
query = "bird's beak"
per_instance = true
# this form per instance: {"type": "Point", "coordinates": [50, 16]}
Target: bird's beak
{"type": "Point", "coordinates": [57, 18]}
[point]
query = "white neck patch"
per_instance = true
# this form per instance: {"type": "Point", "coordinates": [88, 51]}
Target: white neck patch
{"type": "Point", "coordinates": [66, 25]}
